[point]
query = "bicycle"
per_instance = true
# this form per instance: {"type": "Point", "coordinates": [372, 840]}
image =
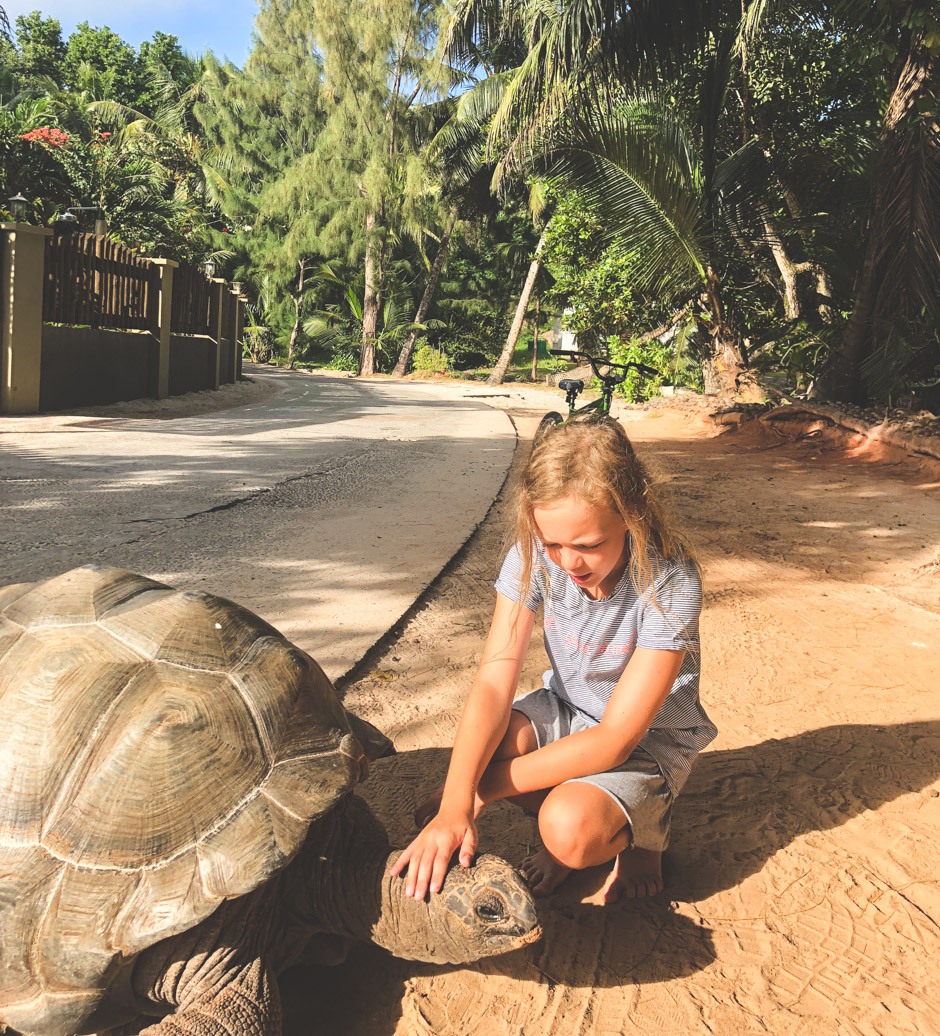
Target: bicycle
{"type": "Point", "coordinates": [573, 387]}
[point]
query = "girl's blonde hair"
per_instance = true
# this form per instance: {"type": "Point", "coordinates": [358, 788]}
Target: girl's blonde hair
{"type": "Point", "coordinates": [593, 459]}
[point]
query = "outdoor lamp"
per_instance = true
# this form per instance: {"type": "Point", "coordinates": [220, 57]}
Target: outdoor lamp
{"type": "Point", "coordinates": [18, 205]}
{"type": "Point", "coordinates": [208, 268]}
{"type": "Point", "coordinates": [65, 223]}
{"type": "Point", "coordinates": [237, 287]}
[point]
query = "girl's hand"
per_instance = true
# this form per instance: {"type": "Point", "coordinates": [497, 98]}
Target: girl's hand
{"type": "Point", "coordinates": [429, 855]}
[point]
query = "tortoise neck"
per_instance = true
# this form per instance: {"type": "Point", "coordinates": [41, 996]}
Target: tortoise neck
{"type": "Point", "coordinates": [341, 869]}
{"type": "Point", "coordinates": [347, 890]}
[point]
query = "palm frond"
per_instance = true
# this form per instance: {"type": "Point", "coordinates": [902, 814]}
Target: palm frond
{"type": "Point", "coordinates": [637, 178]}
{"type": "Point", "coordinates": [907, 246]}
{"type": "Point", "coordinates": [475, 26]}
{"type": "Point", "coordinates": [325, 335]}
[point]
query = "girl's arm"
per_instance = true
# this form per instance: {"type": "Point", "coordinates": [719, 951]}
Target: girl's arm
{"type": "Point", "coordinates": [482, 726]}
{"type": "Point", "coordinates": [640, 691]}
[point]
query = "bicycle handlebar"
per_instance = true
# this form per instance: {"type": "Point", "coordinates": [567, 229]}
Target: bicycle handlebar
{"type": "Point", "coordinates": [612, 379]}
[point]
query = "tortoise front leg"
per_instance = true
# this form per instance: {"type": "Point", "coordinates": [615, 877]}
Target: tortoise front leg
{"type": "Point", "coordinates": [242, 1001]}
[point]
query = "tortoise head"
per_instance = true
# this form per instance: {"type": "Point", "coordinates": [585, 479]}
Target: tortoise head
{"type": "Point", "coordinates": [481, 911]}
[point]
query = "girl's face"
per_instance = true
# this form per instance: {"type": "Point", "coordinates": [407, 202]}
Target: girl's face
{"type": "Point", "coordinates": [589, 542]}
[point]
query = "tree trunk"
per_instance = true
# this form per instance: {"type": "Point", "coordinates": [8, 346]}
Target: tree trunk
{"type": "Point", "coordinates": [724, 360]}
{"type": "Point", "coordinates": [535, 341]}
{"type": "Point", "coordinates": [502, 364]}
{"type": "Point", "coordinates": [657, 332]}
{"type": "Point", "coordinates": [785, 265]}
{"type": "Point", "coordinates": [295, 330]}
{"type": "Point", "coordinates": [841, 378]}
{"type": "Point", "coordinates": [824, 295]}
{"type": "Point", "coordinates": [794, 305]}
{"type": "Point", "coordinates": [404, 357]}
{"type": "Point", "coordinates": [370, 300]}
{"type": "Point", "coordinates": [823, 300]}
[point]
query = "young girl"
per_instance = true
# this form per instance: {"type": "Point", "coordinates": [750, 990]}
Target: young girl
{"type": "Point", "coordinates": [603, 749]}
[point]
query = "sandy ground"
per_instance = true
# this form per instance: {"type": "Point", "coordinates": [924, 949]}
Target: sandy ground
{"type": "Point", "coordinates": [802, 878]}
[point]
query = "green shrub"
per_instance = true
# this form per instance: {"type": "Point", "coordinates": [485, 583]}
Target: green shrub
{"type": "Point", "coordinates": [343, 359]}
{"type": "Point", "coordinates": [554, 365]}
{"type": "Point", "coordinates": [429, 361]}
{"type": "Point", "coordinates": [467, 347]}
{"type": "Point", "coordinates": [258, 343]}
{"type": "Point", "coordinates": [675, 368]}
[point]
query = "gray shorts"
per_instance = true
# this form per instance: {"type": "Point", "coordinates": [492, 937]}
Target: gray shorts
{"type": "Point", "coordinates": [637, 786]}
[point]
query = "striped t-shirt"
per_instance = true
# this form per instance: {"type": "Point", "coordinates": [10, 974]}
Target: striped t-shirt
{"type": "Point", "coordinates": [589, 643]}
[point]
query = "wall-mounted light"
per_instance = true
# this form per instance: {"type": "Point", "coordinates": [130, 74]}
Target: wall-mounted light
{"type": "Point", "coordinates": [70, 220]}
{"type": "Point", "coordinates": [18, 206]}
{"type": "Point", "coordinates": [65, 223]}
{"type": "Point", "coordinates": [208, 268]}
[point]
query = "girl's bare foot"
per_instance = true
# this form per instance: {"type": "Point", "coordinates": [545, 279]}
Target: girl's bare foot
{"type": "Point", "coordinates": [636, 873]}
{"type": "Point", "coordinates": [428, 809]}
{"type": "Point", "coordinates": [543, 872]}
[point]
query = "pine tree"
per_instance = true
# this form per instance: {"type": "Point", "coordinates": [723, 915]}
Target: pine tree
{"type": "Point", "coordinates": [263, 135]}
{"type": "Point", "coordinates": [375, 57]}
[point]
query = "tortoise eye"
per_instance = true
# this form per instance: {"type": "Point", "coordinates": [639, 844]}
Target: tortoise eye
{"type": "Point", "coordinates": [490, 910]}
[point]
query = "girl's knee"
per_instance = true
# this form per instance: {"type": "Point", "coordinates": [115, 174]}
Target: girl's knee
{"type": "Point", "coordinates": [567, 832]}
{"type": "Point", "coordinates": [580, 827]}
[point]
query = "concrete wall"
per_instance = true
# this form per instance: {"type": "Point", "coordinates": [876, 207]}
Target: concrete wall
{"type": "Point", "coordinates": [192, 363]}
{"type": "Point", "coordinates": [83, 366]}
{"type": "Point", "coordinates": [226, 366]}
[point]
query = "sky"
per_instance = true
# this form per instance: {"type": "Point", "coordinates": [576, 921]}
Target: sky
{"type": "Point", "coordinates": [222, 26]}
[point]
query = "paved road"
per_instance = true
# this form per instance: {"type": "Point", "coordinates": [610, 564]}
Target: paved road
{"type": "Point", "coordinates": [327, 508]}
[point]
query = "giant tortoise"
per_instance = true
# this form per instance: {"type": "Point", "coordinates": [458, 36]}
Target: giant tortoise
{"type": "Point", "coordinates": [177, 824]}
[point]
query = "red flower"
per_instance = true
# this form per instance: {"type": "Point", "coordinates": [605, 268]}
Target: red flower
{"type": "Point", "coordinates": [49, 135]}
{"type": "Point", "coordinates": [104, 136]}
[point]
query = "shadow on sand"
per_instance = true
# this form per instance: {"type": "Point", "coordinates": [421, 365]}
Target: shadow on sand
{"type": "Point", "coordinates": [740, 807]}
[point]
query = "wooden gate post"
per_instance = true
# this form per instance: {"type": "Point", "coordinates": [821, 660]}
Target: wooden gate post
{"type": "Point", "coordinates": [21, 294]}
{"type": "Point", "coordinates": [217, 324]}
{"type": "Point", "coordinates": [239, 334]}
{"type": "Point", "coordinates": [160, 374]}
{"type": "Point", "coordinates": [232, 305]}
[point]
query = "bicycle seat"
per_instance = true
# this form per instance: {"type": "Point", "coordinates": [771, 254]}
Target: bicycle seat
{"type": "Point", "coordinates": [571, 383]}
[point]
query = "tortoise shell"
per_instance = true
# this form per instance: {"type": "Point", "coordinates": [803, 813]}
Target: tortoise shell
{"type": "Point", "coordinates": [162, 751]}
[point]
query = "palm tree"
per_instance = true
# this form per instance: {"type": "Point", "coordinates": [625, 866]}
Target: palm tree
{"type": "Point", "coordinates": [109, 162]}
{"type": "Point", "coordinates": [666, 198]}
{"type": "Point", "coordinates": [454, 159]}
{"type": "Point", "coordinates": [434, 274]}
{"type": "Point", "coordinates": [537, 205]}
{"type": "Point", "coordinates": [338, 324]}
{"type": "Point", "coordinates": [615, 45]}
{"type": "Point", "coordinates": [572, 111]}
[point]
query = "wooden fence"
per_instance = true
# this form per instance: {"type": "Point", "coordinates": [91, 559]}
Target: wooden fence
{"type": "Point", "coordinates": [191, 306]}
{"type": "Point", "coordinates": [85, 321]}
{"type": "Point", "coordinates": [96, 281]}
